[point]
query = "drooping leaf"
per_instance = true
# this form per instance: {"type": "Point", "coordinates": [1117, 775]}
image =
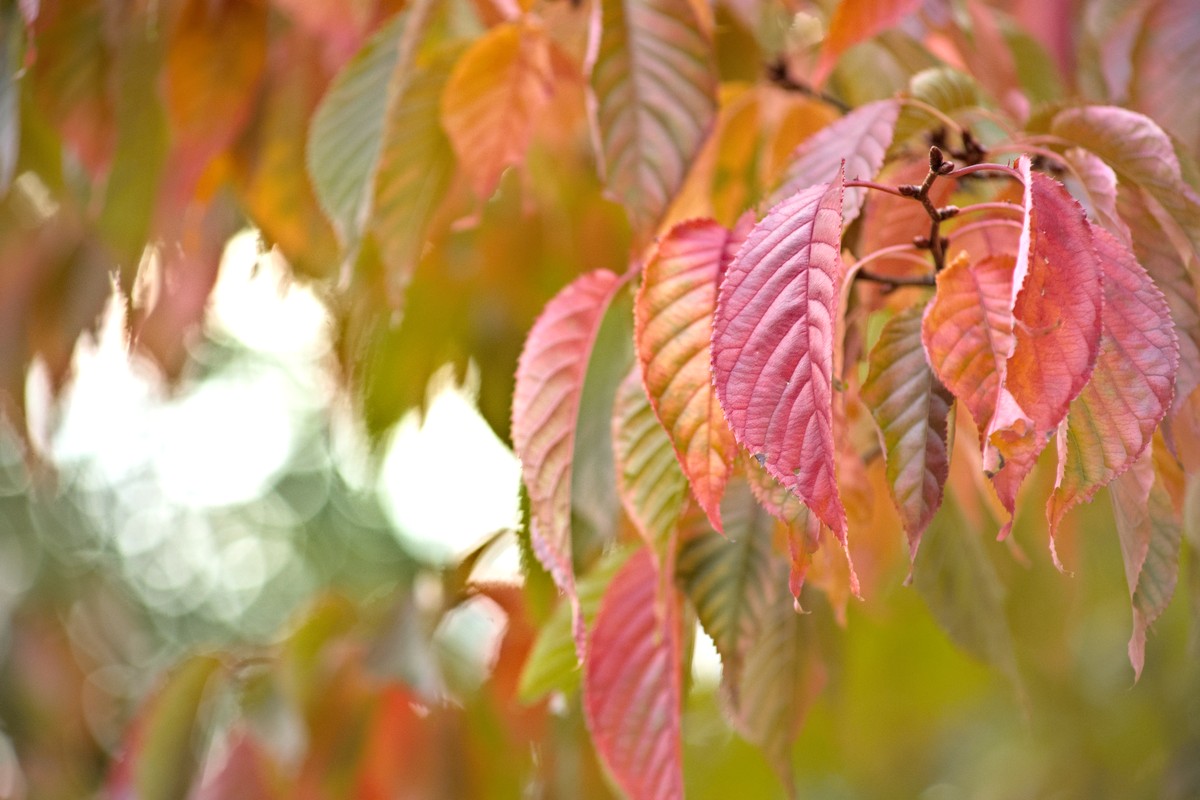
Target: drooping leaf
{"type": "Point", "coordinates": [633, 683]}
{"type": "Point", "coordinates": [855, 21]}
{"type": "Point", "coordinates": [1150, 535]}
{"type": "Point", "coordinates": [673, 329]}
{"type": "Point", "coordinates": [651, 483]}
{"type": "Point", "coordinates": [214, 65]}
{"type": "Point", "coordinates": [494, 97]}
{"type": "Point", "coordinates": [414, 170]}
{"type": "Point", "coordinates": [1169, 269]}
{"type": "Point", "coordinates": [773, 342]}
{"type": "Point", "coordinates": [1099, 183]}
{"type": "Point", "coordinates": [549, 386]}
{"type": "Point", "coordinates": [967, 331]}
{"type": "Point", "coordinates": [1165, 55]}
{"type": "Point", "coordinates": [728, 579]}
{"type": "Point", "coordinates": [655, 85]}
{"type": "Point", "coordinates": [861, 139]}
{"type": "Point", "coordinates": [1056, 311]}
{"type": "Point", "coordinates": [911, 407]}
{"type": "Point", "coordinates": [1113, 420]}
{"type": "Point", "coordinates": [1140, 152]}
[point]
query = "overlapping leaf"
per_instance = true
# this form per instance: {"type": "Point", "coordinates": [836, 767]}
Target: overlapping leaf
{"type": "Point", "coordinates": [855, 21]}
{"type": "Point", "coordinates": [861, 139]}
{"type": "Point", "coordinates": [1150, 536]}
{"type": "Point", "coordinates": [1112, 420]}
{"type": "Point", "coordinates": [549, 387]}
{"type": "Point", "coordinates": [655, 85]}
{"type": "Point", "coordinates": [494, 97]}
{"type": "Point", "coordinates": [653, 488]}
{"type": "Point", "coordinates": [773, 342]}
{"type": "Point", "coordinates": [633, 683]}
{"type": "Point", "coordinates": [1099, 182]}
{"type": "Point", "coordinates": [1140, 152]}
{"type": "Point", "coordinates": [967, 331]}
{"type": "Point", "coordinates": [911, 407]}
{"type": "Point", "coordinates": [673, 328]}
{"type": "Point", "coordinates": [1165, 57]}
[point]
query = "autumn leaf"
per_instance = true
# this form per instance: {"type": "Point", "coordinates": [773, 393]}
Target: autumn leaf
{"type": "Point", "coordinates": [1113, 419]}
{"type": "Point", "coordinates": [494, 96]}
{"type": "Point", "coordinates": [1166, 53]}
{"type": "Point", "coordinates": [1099, 183]}
{"type": "Point", "coordinates": [1150, 536]}
{"type": "Point", "coordinates": [773, 342]}
{"type": "Point", "coordinates": [855, 21]}
{"type": "Point", "coordinates": [861, 139]}
{"type": "Point", "coordinates": [550, 376]}
{"type": "Point", "coordinates": [911, 407]}
{"type": "Point", "coordinates": [652, 486]}
{"type": "Point", "coordinates": [633, 684]}
{"type": "Point", "coordinates": [967, 331]}
{"type": "Point", "coordinates": [654, 82]}
{"type": "Point", "coordinates": [673, 328]}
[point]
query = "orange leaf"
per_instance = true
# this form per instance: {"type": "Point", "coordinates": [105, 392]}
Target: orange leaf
{"type": "Point", "coordinates": [856, 21]}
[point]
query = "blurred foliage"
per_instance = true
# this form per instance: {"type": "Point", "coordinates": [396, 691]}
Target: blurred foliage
{"type": "Point", "coordinates": [297, 644]}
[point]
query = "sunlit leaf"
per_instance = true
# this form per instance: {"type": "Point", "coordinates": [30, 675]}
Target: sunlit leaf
{"type": "Point", "coordinates": [655, 86]}
{"type": "Point", "coordinates": [967, 331]}
{"type": "Point", "coordinates": [773, 341]}
{"type": "Point", "coordinates": [633, 683]}
{"type": "Point", "coordinates": [652, 485]}
{"type": "Point", "coordinates": [1140, 152]}
{"type": "Point", "coordinates": [493, 99]}
{"type": "Point", "coordinates": [1150, 535]}
{"type": "Point", "coordinates": [861, 138]}
{"type": "Point", "coordinates": [728, 579]}
{"type": "Point", "coordinates": [910, 406]}
{"type": "Point", "coordinates": [855, 21]}
{"type": "Point", "coordinates": [1112, 420]}
{"type": "Point", "coordinates": [673, 327]}
{"type": "Point", "coordinates": [549, 386]}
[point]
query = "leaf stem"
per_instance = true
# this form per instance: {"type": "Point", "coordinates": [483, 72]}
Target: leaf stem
{"type": "Point", "coordinates": [989, 207]}
{"type": "Point", "coordinates": [973, 168]}
{"type": "Point", "coordinates": [881, 187]}
{"type": "Point", "coordinates": [936, 113]}
{"type": "Point", "coordinates": [895, 281]}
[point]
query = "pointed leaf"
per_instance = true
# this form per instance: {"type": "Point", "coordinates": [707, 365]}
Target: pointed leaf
{"type": "Point", "coordinates": [651, 483]}
{"type": "Point", "coordinates": [1150, 535]}
{"type": "Point", "coordinates": [549, 385]}
{"type": "Point", "coordinates": [673, 328]}
{"type": "Point", "coordinates": [855, 21]}
{"type": "Point", "coordinates": [633, 682]}
{"type": "Point", "coordinates": [1140, 152]}
{"type": "Point", "coordinates": [1114, 418]}
{"type": "Point", "coordinates": [861, 139]}
{"type": "Point", "coordinates": [654, 83]}
{"type": "Point", "coordinates": [967, 331]}
{"type": "Point", "coordinates": [773, 341]}
{"type": "Point", "coordinates": [911, 407]}
{"type": "Point", "coordinates": [414, 170]}
{"type": "Point", "coordinates": [347, 129]}
{"type": "Point", "coordinates": [728, 579]}
{"type": "Point", "coordinates": [494, 97]}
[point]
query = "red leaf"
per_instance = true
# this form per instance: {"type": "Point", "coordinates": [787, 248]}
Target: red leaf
{"type": "Point", "coordinates": [861, 139]}
{"type": "Point", "coordinates": [1056, 314]}
{"type": "Point", "coordinates": [549, 385]}
{"type": "Point", "coordinates": [856, 21]}
{"type": "Point", "coordinates": [1114, 417]}
{"type": "Point", "coordinates": [1150, 537]}
{"type": "Point", "coordinates": [673, 329]}
{"type": "Point", "coordinates": [633, 682]}
{"type": "Point", "coordinates": [911, 407]}
{"type": "Point", "coordinates": [773, 342]}
{"type": "Point", "coordinates": [967, 331]}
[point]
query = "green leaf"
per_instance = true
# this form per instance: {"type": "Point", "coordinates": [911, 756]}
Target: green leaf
{"type": "Point", "coordinates": [655, 85]}
{"type": "Point", "coordinates": [944, 88]}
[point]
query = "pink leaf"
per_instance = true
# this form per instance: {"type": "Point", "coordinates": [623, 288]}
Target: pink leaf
{"type": "Point", "coordinates": [861, 139]}
{"type": "Point", "coordinates": [1114, 417]}
{"type": "Point", "coordinates": [1150, 537]}
{"type": "Point", "coordinates": [633, 682]}
{"type": "Point", "coordinates": [673, 330]}
{"type": "Point", "coordinates": [549, 385]}
{"type": "Point", "coordinates": [773, 342]}
{"type": "Point", "coordinates": [1099, 182]}
{"type": "Point", "coordinates": [911, 407]}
